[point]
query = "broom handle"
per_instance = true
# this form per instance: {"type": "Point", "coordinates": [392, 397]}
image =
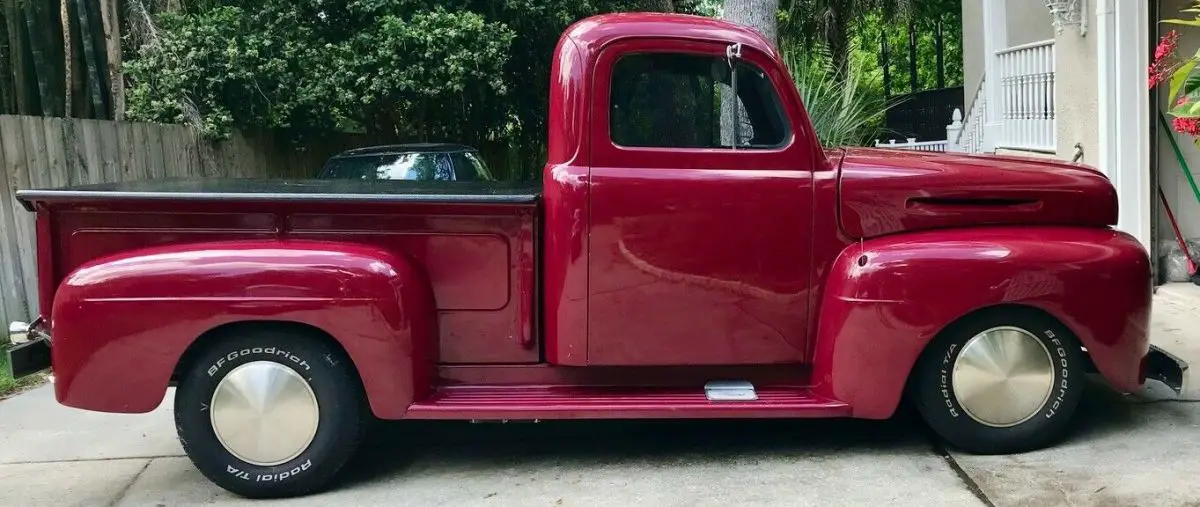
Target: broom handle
{"type": "Point", "coordinates": [1178, 236]}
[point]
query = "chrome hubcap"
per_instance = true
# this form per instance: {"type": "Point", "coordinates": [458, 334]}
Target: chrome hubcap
{"type": "Point", "coordinates": [264, 413]}
{"type": "Point", "coordinates": [1003, 376]}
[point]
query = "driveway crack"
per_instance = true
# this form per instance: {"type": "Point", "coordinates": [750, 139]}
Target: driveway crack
{"type": "Point", "coordinates": [125, 490]}
{"type": "Point", "coordinates": [962, 474]}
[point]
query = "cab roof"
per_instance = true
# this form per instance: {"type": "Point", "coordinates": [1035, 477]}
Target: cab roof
{"type": "Point", "coordinates": [596, 31]}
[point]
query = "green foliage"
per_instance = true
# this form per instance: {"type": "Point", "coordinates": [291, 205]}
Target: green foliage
{"type": "Point", "coordinates": [1181, 72]}
{"type": "Point", "coordinates": [471, 71]}
{"type": "Point", "coordinates": [287, 65]}
{"type": "Point", "coordinates": [10, 386]}
{"type": "Point", "coordinates": [852, 30]}
{"type": "Point", "coordinates": [457, 74]}
{"type": "Point", "coordinates": [1184, 93]}
{"type": "Point", "coordinates": [846, 109]}
{"type": "Point", "coordinates": [875, 26]}
{"type": "Point", "coordinates": [710, 8]}
{"type": "Point", "coordinates": [832, 23]}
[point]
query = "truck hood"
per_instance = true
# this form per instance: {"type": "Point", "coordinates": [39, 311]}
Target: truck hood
{"type": "Point", "coordinates": [884, 191]}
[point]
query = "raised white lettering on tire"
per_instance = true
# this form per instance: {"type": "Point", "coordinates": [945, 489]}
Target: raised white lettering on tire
{"type": "Point", "coordinates": [270, 351]}
{"type": "Point", "coordinates": [1064, 373]}
{"type": "Point", "coordinates": [284, 475]}
{"type": "Point", "coordinates": [945, 381]}
{"type": "Point", "coordinates": [237, 473]}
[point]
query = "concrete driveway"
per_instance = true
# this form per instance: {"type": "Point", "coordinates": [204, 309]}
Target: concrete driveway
{"type": "Point", "coordinates": [1125, 450]}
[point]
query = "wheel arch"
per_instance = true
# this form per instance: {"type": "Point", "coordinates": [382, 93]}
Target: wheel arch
{"type": "Point", "coordinates": [886, 299]}
{"type": "Point", "coordinates": [367, 364]}
{"type": "Point", "coordinates": [156, 308]}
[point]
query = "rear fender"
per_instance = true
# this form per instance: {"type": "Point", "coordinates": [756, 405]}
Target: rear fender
{"type": "Point", "coordinates": [887, 298]}
{"type": "Point", "coordinates": [122, 323]}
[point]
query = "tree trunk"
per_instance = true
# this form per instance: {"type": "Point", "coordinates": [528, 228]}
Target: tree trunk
{"type": "Point", "coordinates": [940, 48]}
{"type": "Point", "coordinates": [24, 85]}
{"type": "Point", "coordinates": [837, 37]}
{"type": "Point", "coordinates": [112, 45]}
{"type": "Point", "coordinates": [47, 86]}
{"type": "Point", "coordinates": [88, 39]}
{"type": "Point", "coordinates": [7, 87]}
{"type": "Point", "coordinates": [77, 99]}
{"type": "Point", "coordinates": [885, 62]}
{"type": "Point", "coordinates": [759, 15]}
{"type": "Point", "coordinates": [68, 57]}
{"type": "Point", "coordinates": [913, 78]}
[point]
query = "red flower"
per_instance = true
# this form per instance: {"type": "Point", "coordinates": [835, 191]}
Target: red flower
{"type": "Point", "coordinates": [1189, 126]}
{"type": "Point", "coordinates": [1166, 45]}
{"type": "Point", "coordinates": [1164, 58]}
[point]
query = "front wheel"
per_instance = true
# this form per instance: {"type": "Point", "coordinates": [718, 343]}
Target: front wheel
{"type": "Point", "coordinates": [268, 413]}
{"type": "Point", "coordinates": [1002, 382]}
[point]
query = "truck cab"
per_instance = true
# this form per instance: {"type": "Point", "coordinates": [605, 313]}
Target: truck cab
{"type": "Point", "coordinates": [686, 211]}
{"type": "Point", "coordinates": [691, 251]}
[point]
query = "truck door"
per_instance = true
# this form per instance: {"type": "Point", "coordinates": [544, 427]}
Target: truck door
{"type": "Point", "coordinates": [700, 228]}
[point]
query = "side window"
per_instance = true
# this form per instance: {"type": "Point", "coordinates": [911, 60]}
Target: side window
{"type": "Point", "coordinates": [675, 100]}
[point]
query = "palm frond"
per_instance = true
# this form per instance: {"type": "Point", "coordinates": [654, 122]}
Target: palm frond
{"type": "Point", "coordinates": [842, 110]}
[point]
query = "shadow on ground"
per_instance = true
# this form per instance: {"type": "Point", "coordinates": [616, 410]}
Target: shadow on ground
{"type": "Point", "coordinates": [394, 446]}
{"type": "Point", "coordinates": [1105, 413]}
{"type": "Point", "coordinates": [1114, 455]}
{"type": "Point", "coordinates": [493, 448]}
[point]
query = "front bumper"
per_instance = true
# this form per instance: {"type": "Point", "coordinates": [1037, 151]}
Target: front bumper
{"type": "Point", "coordinates": [1164, 367]}
{"type": "Point", "coordinates": [28, 349]}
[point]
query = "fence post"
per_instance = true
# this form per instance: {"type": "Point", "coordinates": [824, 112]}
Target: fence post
{"type": "Point", "coordinates": [954, 131]}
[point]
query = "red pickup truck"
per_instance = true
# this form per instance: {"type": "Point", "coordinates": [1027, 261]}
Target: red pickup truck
{"type": "Point", "coordinates": [691, 251]}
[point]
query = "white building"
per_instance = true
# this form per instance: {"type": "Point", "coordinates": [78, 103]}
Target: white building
{"type": "Point", "coordinates": [1068, 79]}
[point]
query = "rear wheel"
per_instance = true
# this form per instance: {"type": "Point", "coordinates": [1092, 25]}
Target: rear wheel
{"type": "Point", "coordinates": [270, 413]}
{"type": "Point", "coordinates": [1004, 381]}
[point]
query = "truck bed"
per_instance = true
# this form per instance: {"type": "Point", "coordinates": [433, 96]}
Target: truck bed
{"type": "Point", "coordinates": [477, 242]}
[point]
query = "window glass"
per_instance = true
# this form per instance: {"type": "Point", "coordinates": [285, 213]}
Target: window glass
{"type": "Point", "coordinates": [667, 100]}
{"type": "Point", "coordinates": [421, 166]}
{"type": "Point", "coordinates": [469, 167]}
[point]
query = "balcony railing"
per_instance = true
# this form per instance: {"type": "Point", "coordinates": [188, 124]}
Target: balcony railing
{"type": "Point", "coordinates": [1027, 97]}
{"type": "Point", "coordinates": [913, 145]}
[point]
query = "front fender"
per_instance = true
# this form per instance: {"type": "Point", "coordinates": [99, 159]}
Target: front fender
{"type": "Point", "coordinates": [120, 324]}
{"type": "Point", "coordinates": [886, 298]}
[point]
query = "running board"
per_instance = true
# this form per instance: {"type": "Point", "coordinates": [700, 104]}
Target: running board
{"type": "Point", "coordinates": [589, 402]}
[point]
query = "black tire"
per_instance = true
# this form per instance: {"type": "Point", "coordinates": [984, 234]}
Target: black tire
{"type": "Point", "coordinates": [932, 389]}
{"type": "Point", "coordinates": [342, 420]}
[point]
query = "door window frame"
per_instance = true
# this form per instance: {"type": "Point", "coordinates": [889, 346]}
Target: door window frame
{"type": "Point", "coordinates": [607, 153]}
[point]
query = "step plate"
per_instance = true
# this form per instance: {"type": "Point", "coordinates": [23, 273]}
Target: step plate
{"type": "Point", "coordinates": [730, 390]}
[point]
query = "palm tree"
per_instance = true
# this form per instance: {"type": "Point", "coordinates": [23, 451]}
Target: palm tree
{"type": "Point", "coordinates": [831, 22]}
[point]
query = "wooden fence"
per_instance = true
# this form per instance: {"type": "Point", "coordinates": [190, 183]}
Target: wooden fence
{"type": "Point", "coordinates": [40, 152]}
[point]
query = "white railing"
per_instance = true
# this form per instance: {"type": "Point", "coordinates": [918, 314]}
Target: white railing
{"type": "Point", "coordinates": [970, 137]}
{"type": "Point", "coordinates": [1027, 97]}
{"type": "Point", "coordinates": [913, 145]}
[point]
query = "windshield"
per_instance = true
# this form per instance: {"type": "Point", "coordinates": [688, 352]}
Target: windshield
{"type": "Point", "coordinates": [421, 166]}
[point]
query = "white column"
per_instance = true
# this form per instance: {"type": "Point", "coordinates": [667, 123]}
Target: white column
{"type": "Point", "coordinates": [1106, 72]}
{"type": "Point", "coordinates": [1122, 32]}
{"type": "Point", "coordinates": [995, 38]}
